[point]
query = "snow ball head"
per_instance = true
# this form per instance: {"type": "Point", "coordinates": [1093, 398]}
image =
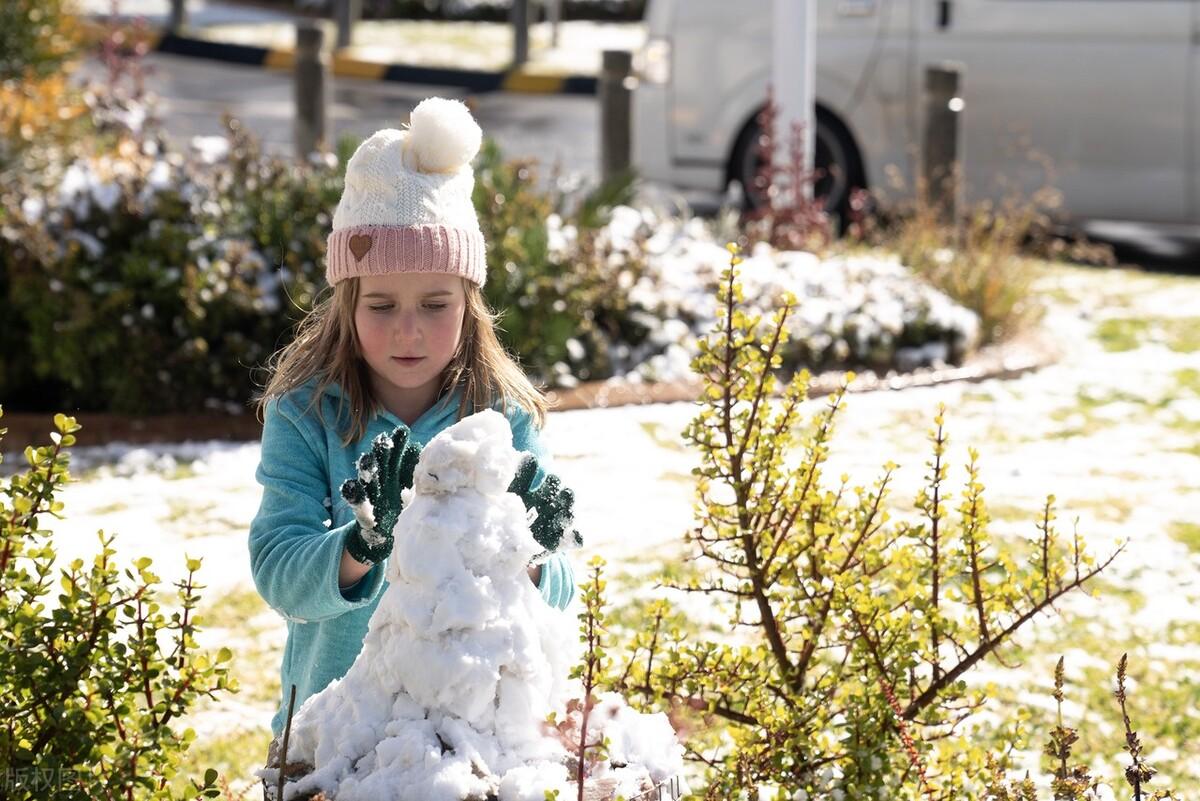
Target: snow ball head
{"type": "Point", "coordinates": [476, 452]}
{"type": "Point", "coordinates": [442, 135]}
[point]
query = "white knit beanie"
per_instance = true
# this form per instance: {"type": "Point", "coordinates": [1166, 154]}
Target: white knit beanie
{"type": "Point", "coordinates": [406, 206]}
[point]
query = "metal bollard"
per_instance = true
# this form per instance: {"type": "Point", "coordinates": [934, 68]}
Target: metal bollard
{"type": "Point", "coordinates": [942, 150]}
{"type": "Point", "coordinates": [311, 71]}
{"type": "Point", "coordinates": [554, 17]}
{"type": "Point", "coordinates": [177, 19]}
{"type": "Point", "coordinates": [616, 109]}
{"type": "Point", "coordinates": [519, 16]}
{"type": "Point", "coordinates": [349, 12]}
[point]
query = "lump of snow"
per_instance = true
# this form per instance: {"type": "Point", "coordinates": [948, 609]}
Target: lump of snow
{"type": "Point", "coordinates": [463, 662]}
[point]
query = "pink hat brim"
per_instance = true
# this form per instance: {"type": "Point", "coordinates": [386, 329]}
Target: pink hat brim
{"type": "Point", "coordinates": [381, 249]}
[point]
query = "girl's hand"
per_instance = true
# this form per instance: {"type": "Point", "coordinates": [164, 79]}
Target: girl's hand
{"type": "Point", "coordinates": [383, 471]}
{"type": "Point", "coordinates": [553, 503]}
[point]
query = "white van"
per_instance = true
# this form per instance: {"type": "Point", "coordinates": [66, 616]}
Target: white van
{"type": "Point", "coordinates": [1104, 91]}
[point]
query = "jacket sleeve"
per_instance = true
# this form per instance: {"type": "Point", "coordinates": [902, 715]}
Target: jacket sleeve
{"type": "Point", "coordinates": [294, 556]}
{"type": "Point", "coordinates": [557, 583]}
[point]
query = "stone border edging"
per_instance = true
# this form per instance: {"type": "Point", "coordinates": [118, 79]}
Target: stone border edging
{"type": "Point", "coordinates": [1028, 353]}
{"type": "Point", "coordinates": [1012, 359]}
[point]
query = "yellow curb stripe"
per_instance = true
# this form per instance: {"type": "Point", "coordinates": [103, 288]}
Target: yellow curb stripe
{"type": "Point", "coordinates": [525, 80]}
{"type": "Point", "coordinates": [280, 59]}
{"type": "Point", "coordinates": [347, 67]}
{"type": "Point", "coordinates": [518, 81]}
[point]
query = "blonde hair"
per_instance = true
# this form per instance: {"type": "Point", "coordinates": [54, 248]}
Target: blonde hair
{"type": "Point", "coordinates": [326, 346]}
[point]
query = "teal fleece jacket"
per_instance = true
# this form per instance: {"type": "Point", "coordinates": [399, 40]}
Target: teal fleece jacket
{"type": "Point", "coordinates": [299, 533]}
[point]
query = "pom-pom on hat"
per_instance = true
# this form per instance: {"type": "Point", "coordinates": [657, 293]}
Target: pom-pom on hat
{"type": "Point", "coordinates": [406, 206]}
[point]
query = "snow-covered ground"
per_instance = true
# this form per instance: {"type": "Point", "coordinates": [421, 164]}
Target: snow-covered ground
{"type": "Point", "coordinates": [1114, 434]}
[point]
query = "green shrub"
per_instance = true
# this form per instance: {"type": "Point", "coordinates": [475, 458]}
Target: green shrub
{"type": "Point", "coordinates": [852, 634]}
{"type": "Point", "coordinates": [564, 301]}
{"type": "Point", "coordinates": [95, 674]}
{"type": "Point", "coordinates": [147, 281]}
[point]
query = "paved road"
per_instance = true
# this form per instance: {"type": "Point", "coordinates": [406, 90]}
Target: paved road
{"type": "Point", "coordinates": [555, 129]}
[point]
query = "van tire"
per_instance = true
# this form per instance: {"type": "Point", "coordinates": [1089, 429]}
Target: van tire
{"type": "Point", "coordinates": [835, 147]}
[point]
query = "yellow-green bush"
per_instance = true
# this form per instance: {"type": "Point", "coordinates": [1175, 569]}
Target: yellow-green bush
{"type": "Point", "coordinates": [37, 37]}
{"type": "Point", "coordinates": [38, 41]}
{"type": "Point", "coordinates": [852, 633]}
{"type": "Point", "coordinates": [96, 671]}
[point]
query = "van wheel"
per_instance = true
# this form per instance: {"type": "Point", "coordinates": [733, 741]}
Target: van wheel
{"type": "Point", "coordinates": [837, 161]}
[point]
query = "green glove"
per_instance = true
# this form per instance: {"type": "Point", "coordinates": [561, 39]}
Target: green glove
{"type": "Point", "coordinates": [553, 504]}
{"type": "Point", "coordinates": [383, 471]}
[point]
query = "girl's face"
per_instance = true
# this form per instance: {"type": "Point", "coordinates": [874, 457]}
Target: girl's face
{"type": "Point", "coordinates": [409, 326]}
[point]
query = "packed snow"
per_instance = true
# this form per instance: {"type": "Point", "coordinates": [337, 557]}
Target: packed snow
{"type": "Point", "coordinates": [463, 662]}
{"type": "Point", "coordinates": [849, 307]}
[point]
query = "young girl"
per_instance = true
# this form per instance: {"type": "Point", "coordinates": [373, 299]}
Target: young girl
{"type": "Point", "coordinates": [403, 348]}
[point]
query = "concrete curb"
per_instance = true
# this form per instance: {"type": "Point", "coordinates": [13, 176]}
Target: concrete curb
{"type": "Point", "coordinates": [529, 79]}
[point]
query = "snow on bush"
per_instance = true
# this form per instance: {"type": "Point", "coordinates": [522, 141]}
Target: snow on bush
{"type": "Point", "coordinates": [463, 662]}
{"type": "Point", "coordinates": [863, 310]}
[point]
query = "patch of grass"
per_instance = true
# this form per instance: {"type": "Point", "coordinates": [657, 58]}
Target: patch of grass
{"type": "Point", "coordinates": [1087, 403]}
{"type": "Point", "coordinates": [109, 509]}
{"type": "Point", "coordinates": [681, 478]}
{"type": "Point", "coordinates": [1186, 533]}
{"type": "Point", "coordinates": [1112, 510]}
{"type": "Point", "coordinates": [1012, 512]}
{"type": "Point", "coordinates": [1081, 428]}
{"type": "Point", "coordinates": [181, 508]}
{"type": "Point", "coordinates": [235, 755]}
{"type": "Point", "coordinates": [1191, 450]}
{"type": "Point", "coordinates": [1112, 591]}
{"type": "Point", "coordinates": [1182, 334]}
{"type": "Point", "coordinates": [1187, 425]}
{"type": "Point", "coordinates": [1059, 294]}
{"type": "Point", "coordinates": [1188, 380]}
{"type": "Point", "coordinates": [232, 609]}
{"type": "Point", "coordinates": [1124, 475]}
{"type": "Point", "coordinates": [181, 471]}
{"type": "Point", "coordinates": [913, 419]}
{"type": "Point", "coordinates": [255, 654]}
{"type": "Point", "coordinates": [258, 674]}
{"type": "Point", "coordinates": [1084, 418]}
{"type": "Point", "coordinates": [662, 438]}
{"type": "Point", "coordinates": [1120, 334]}
{"type": "Point", "coordinates": [1162, 685]}
{"type": "Point", "coordinates": [998, 435]}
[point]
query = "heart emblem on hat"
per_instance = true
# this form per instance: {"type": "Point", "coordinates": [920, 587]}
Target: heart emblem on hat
{"type": "Point", "coordinates": [360, 245]}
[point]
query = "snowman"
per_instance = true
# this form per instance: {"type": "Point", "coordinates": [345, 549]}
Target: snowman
{"type": "Point", "coordinates": [464, 663]}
